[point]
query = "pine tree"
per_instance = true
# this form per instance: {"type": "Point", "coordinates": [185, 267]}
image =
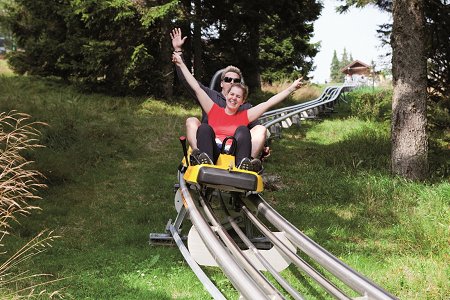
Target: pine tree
{"type": "Point", "coordinates": [335, 69]}
{"type": "Point", "coordinates": [123, 47]}
{"type": "Point", "coordinates": [244, 35]}
{"type": "Point", "coordinates": [344, 60]}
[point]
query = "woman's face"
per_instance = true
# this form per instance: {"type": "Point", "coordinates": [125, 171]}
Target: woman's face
{"type": "Point", "coordinates": [235, 98]}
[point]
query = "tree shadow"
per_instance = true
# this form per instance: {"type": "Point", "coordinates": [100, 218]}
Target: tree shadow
{"type": "Point", "coordinates": [339, 193]}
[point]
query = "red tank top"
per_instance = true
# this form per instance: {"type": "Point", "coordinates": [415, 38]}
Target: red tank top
{"type": "Point", "coordinates": [223, 124]}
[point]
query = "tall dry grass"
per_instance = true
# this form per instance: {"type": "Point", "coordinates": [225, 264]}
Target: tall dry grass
{"type": "Point", "coordinates": [307, 92]}
{"type": "Point", "coordinates": [19, 184]}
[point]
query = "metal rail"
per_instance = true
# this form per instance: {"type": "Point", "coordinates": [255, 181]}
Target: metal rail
{"type": "Point", "coordinates": [353, 279]}
{"type": "Point", "coordinates": [280, 279]}
{"type": "Point", "coordinates": [304, 266]}
{"type": "Point", "coordinates": [252, 271]}
{"type": "Point", "coordinates": [275, 119]}
{"type": "Point", "coordinates": [235, 273]}
{"type": "Point", "coordinates": [207, 283]}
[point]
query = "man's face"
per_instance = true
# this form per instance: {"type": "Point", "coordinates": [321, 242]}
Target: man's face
{"type": "Point", "coordinates": [228, 80]}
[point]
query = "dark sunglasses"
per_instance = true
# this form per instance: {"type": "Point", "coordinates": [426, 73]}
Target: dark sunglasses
{"type": "Point", "coordinates": [230, 79]}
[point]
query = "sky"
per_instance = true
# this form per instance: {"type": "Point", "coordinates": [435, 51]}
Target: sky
{"type": "Point", "coordinates": [355, 31]}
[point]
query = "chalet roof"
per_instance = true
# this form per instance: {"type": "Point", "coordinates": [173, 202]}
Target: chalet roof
{"type": "Point", "coordinates": [355, 66]}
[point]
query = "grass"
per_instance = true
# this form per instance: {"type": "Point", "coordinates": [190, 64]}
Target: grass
{"type": "Point", "coordinates": [110, 166]}
{"type": "Point", "coordinates": [4, 69]}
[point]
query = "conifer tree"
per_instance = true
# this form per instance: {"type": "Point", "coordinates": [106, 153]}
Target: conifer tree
{"type": "Point", "coordinates": [122, 47]}
{"type": "Point", "coordinates": [345, 60]}
{"type": "Point", "coordinates": [335, 70]}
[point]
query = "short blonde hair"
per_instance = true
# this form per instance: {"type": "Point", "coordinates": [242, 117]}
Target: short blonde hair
{"type": "Point", "coordinates": [232, 69]}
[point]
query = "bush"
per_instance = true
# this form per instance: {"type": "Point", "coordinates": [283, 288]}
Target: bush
{"type": "Point", "coordinates": [371, 105]}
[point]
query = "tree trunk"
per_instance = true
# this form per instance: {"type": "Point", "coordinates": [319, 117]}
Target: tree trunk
{"type": "Point", "coordinates": [199, 70]}
{"type": "Point", "coordinates": [252, 75]}
{"type": "Point", "coordinates": [166, 52]}
{"type": "Point", "coordinates": [408, 132]}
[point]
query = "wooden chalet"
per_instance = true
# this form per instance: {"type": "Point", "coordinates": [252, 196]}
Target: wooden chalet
{"type": "Point", "coordinates": [356, 67]}
{"type": "Point", "coordinates": [357, 73]}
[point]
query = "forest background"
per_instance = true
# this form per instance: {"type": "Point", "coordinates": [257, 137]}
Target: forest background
{"type": "Point", "coordinates": [120, 46]}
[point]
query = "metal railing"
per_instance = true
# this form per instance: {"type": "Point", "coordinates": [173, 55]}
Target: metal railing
{"type": "Point", "coordinates": [276, 119]}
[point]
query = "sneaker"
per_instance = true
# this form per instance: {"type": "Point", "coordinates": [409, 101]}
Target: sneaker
{"type": "Point", "coordinates": [245, 164]}
{"type": "Point", "coordinates": [257, 165]}
{"type": "Point", "coordinates": [193, 159]}
{"type": "Point", "coordinates": [203, 158]}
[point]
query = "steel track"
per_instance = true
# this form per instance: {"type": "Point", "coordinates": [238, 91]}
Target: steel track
{"type": "Point", "coordinates": [244, 275]}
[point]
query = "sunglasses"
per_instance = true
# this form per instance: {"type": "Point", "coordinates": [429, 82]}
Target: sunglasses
{"type": "Point", "coordinates": [230, 79]}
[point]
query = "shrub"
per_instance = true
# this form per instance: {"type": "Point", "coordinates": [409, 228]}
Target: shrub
{"type": "Point", "coordinates": [371, 105]}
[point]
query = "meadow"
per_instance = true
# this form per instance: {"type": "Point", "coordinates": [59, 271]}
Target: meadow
{"type": "Point", "coordinates": [110, 166]}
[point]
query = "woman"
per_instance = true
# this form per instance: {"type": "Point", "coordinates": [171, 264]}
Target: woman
{"type": "Point", "coordinates": [228, 121]}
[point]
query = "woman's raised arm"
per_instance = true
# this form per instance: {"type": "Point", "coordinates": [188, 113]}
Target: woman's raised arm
{"type": "Point", "coordinates": [256, 111]}
{"type": "Point", "coordinates": [203, 98]}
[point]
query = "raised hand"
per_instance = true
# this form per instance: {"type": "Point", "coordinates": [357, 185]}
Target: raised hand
{"type": "Point", "coordinates": [177, 40]}
{"type": "Point", "coordinates": [296, 84]}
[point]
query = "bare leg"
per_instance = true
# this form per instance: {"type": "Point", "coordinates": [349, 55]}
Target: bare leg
{"type": "Point", "coordinates": [192, 125]}
{"type": "Point", "coordinates": [258, 139]}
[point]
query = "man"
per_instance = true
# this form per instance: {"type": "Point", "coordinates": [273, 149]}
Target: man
{"type": "Point", "coordinates": [229, 76]}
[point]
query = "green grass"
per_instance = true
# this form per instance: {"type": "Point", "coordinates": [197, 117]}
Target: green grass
{"type": "Point", "coordinates": [111, 165]}
{"type": "Point", "coordinates": [4, 69]}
